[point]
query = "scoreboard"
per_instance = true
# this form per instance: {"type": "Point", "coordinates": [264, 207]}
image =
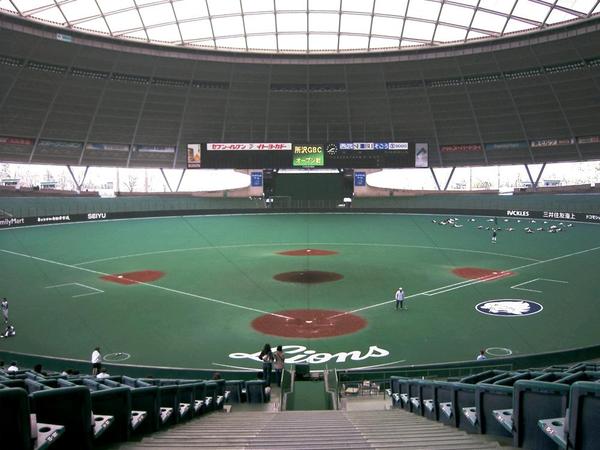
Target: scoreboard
{"type": "Point", "coordinates": [340, 155]}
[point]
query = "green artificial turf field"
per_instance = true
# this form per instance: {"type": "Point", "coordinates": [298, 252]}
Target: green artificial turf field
{"type": "Point", "coordinates": [210, 299]}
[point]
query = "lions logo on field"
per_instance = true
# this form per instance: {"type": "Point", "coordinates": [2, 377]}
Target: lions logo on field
{"type": "Point", "coordinates": [510, 307]}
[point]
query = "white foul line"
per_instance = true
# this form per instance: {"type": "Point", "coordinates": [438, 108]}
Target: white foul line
{"type": "Point", "coordinates": [471, 282]}
{"type": "Point", "coordinates": [517, 286]}
{"type": "Point", "coordinates": [175, 291]}
{"type": "Point", "coordinates": [85, 286]}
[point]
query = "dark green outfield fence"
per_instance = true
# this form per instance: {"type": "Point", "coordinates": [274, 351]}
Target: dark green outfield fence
{"type": "Point", "coordinates": [582, 203]}
{"type": "Point", "coordinates": [48, 206]}
{"type": "Point", "coordinates": [28, 207]}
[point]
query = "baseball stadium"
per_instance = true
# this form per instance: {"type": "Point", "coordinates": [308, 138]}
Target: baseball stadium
{"type": "Point", "coordinates": [450, 317]}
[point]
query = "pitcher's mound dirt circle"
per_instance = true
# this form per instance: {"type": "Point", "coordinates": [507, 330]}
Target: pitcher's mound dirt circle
{"type": "Point", "coordinates": [308, 277]}
{"type": "Point", "coordinates": [308, 323]}
{"type": "Point", "coordinates": [474, 273]}
{"type": "Point", "coordinates": [308, 252]}
{"type": "Point", "coordinates": [142, 276]}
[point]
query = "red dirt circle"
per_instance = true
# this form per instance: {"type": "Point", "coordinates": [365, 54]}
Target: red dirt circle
{"type": "Point", "coordinates": [308, 252]}
{"type": "Point", "coordinates": [475, 273]}
{"type": "Point", "coordinates": [308, 323]}
{"type": "Point", "coordinates": [308, 277]}
{"type": "Point", "coordinates": [127, 278]}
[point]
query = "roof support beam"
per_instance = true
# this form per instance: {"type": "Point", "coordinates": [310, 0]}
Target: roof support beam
{"type": "Point", "coordinates": [97, 108]}
{"type": "Point", "coordinates": [183, 112]}
{"type": "Point", "coordinates": [80, 183]}
{"type": "Point", "coordinates": [534, 184]}
{"type": "Point", "coordinates": [58, 90]}
{"type": "Point", "coordinates": [141, 113]}
{"type": "Point", "coordinates": [473, 114]}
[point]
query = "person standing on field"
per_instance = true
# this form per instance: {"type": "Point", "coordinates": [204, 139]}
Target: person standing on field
{"type": "Point", "coordinates": [96, 361]}
{"type": "Point", "coordinates": [400, 298]}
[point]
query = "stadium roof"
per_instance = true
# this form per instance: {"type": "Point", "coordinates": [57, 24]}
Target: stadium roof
{"type": "Point", "coordinates": [303, 26]}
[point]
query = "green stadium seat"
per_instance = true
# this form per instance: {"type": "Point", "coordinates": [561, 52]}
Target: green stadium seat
{"type": "Point", "coordinates": [234, 387]}
{"type": "Point", "coordinates": [444, 394]}
{"type": "Point", "coordinates": [579, 430]}
{"type": "Point", "coordinates": [428, 398]}
{"type": "Point", "coordinates": [488, 376]}
{"type": "Point", "coordinates": [463, 398]}
{"type": "Point", "coordinates": [572, 377]}
{"type": "Point", "coordinates": [19, 430]}
{"type": "Point", "coordinates": [395, 390]}
{"type": "Point", "coordinates": [490, 397]}
{"type": "Point", "coordinates": [533, 400]}
{"type": "Point", "coordinates": [70, 407]}
{"type": "Point", "coordinates": [255, 391]}
{"type": "Point", "coordinates": [144, 403]}
{"type": "Point", "coordinates": [115, 402]}
{"type": "Point", "coordinates": [550, 377]}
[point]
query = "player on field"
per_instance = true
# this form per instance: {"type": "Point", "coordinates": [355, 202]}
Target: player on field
{"type": "Point", "coordinates": [400, 298]}
{"type": "Point", "coordinates": [4, 307]}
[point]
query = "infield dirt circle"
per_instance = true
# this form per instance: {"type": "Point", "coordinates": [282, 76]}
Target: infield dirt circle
{"type": "Point", "coordinates": [476, 273]}
{"type": "Point", "coordinates": [308, 276]}
{"type": "Point", "coordinates": [308, 323]}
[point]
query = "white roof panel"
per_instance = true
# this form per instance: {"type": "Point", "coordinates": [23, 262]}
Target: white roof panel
{"type": "Point", "coordinates": [311, 26]}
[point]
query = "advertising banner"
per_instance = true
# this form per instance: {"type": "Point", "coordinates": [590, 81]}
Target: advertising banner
{"type": "Point", "coordinates": [60, 145]}
{"type": "Point", "coordinates": [249, 146]}
{"type": "Point", "coordinates": [588, 140]}
{"type": "Point", "coordinates": [517, 145]}
{"type": "Point", "coordinates": [308, 156]}
{"type": "Point", "coordinates": [421, 154]}
{"type": "Point", "coordinates": [460, 148]}
{"type": "Point", "coordinates": [194, 156]}
{"type": "Point", "coordinates": [15, 140]}
{"type": "Point", "coordinates": [360, 178]}
{"type": "Point", "coordinates": [109, 147]}
{"type": "Point", "coordinates": [256, 179]}
{"type": "Point", "coordinates": [552, 142]}
{"type": "Point", "coordinates": [155, 148]}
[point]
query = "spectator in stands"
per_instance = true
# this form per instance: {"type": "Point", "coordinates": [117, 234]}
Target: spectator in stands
{"type": "Point", "coordinates": [481, 355]}
{"type": "Point", "coordinates": [216, 376]}
{"type": "Point", "coordinates": [96, 361]}
{"type": "Point", "coordinates": [103, 374]}
{"type": "Point", "coordinates": [13, 367]}
{"type": "Point", "coordinates": [38, 369]}
{"type": "Point", "coordinates": [279, 359]}
{"type": "Point", "coordinates": [266, 356]}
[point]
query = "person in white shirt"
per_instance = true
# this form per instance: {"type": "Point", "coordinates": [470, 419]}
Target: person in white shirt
{"type": "Point", "coordinates": [102, 374]}
{"type": "Point", "coordinates": [96, 361]}
{"type": "Point", "coordinates": [400, 298]}
{"type": "Point", "coordinates": [13, 367]}
{"type": "Point", "coordinates": [481, 356]}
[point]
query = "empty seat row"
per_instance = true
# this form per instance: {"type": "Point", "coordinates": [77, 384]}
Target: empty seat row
{"type": "Point", "coordinates": [500, 403]}
{"type": "Point", "coordinates": [85, 411]}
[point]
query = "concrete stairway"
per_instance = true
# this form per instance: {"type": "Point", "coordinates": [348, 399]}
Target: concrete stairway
{"type": "Point", "coordinates": [312, 430]}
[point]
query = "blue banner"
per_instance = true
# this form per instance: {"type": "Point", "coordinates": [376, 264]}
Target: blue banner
{"type": "Point", "coordinates": [256, 179]}
{"type": "Point", "coordinates": [360, 178]}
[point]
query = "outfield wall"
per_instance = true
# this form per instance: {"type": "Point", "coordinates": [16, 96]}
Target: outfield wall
{"type": "Point", "coordinates": [18, 211]}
